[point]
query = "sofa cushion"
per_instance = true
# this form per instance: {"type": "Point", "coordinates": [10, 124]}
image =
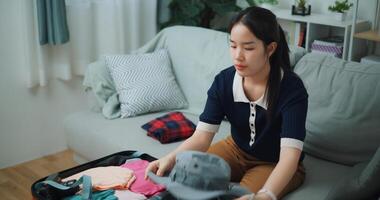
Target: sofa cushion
{"type": "Point", "coordinates": [295, 54]}
{"type": "Point", "coordinates": [91, 136]}
{"type": "Point", "coordinates": [342, 122]}
{"type": "Point", "coordinates": [362, 183]}
{"type": "Point", "coordinates": [99, 83]}
{"type": "Point", "coordinates": [145, 83]}
{"type": "Point", "coordinates": [321, 176]}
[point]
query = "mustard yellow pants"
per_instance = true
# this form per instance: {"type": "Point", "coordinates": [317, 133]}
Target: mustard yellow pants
{"type": "Point", "coordinates": [248, 170]}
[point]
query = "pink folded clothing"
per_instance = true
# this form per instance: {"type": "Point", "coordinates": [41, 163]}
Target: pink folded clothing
{"type": "Point", "coordinates": [142, 186]}
{"type": "Point", "coordinates": [104, 178]}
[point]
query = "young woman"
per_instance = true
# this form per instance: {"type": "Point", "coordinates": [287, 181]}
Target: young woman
{"type": "Point", "coordinates": [265, 103]}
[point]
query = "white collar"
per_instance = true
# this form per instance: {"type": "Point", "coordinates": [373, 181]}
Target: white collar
{"type": "Point", "coordinates": [239, 95]}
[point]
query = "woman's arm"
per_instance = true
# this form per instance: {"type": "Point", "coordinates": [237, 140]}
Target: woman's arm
{"type": "Point", "coordinates": [199, 141]}
{"type": "Point", "coordinates": [283, 172]}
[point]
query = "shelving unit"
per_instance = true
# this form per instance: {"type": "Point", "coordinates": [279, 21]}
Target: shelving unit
{"type": "Point", "coordinates": [369, 35]}
{"type": "Point", "coordinates": [323, 25]}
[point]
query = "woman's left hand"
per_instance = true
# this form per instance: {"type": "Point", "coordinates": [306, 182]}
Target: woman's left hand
{"type": "Point", "coordinates": [257, 197]}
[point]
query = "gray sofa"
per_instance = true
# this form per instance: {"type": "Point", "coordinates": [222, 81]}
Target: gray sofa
{"type": "Point", "coordinates": [343, 122]}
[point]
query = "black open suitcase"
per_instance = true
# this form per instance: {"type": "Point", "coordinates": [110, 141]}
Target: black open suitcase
{"type": "Point", "coordinates": [116, 159]}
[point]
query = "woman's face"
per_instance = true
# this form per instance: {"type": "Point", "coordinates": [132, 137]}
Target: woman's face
{"type": "Point", "coordinates": [248, 53]}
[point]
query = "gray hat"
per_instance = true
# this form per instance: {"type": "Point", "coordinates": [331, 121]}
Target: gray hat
{"type": "Point", "coordinates": [198, 176]}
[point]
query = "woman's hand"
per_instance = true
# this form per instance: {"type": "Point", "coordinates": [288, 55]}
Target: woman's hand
{"type": "Point", "coordinates": [199, 141]}
{"type": "Point", "coordinates": [160, 166]}
{"type": "Point", "coordinates": [260, 196]}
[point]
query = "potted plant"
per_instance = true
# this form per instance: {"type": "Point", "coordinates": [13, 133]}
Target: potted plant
{"type": "Point", "coordinates": [268, 4]}
{"type": "Point", "coordinates": [301, 8]}
{"type": "Point", "coordinates": [340, 9]}
{"type": "Point", "coordinates": [201, 12]}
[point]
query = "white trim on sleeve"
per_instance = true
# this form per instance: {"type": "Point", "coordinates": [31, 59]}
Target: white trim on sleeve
{"type": "Point", "coordinates": [291, 142]}
{"type": "Point", "coordinates": [203, 126]}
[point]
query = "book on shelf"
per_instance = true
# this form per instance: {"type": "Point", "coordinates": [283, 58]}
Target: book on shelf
{"type": "Point", "coordinates": [288, 28]}
{"type": "Point", "coordinates": [294, 32]}
{"type": "Point", "coordinates": [299, 34]}
{"type": "Point", "coordinates": [331, 45]}
{"type": "Point", "coordinates": [330, 41]}
{"type": "Point", "coordinates": [302, 33]}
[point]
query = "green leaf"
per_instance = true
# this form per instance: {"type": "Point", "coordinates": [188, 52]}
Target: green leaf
{"type": "Point", "coordinates": [192, 8]}
{"type": "Point", "coordinates": [340, 6]}
{"type": "Point", "coordinates": [223, 8]}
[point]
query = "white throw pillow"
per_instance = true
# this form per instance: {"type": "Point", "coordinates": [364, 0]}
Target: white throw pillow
{"type": "Point", "coordinates": [145, 83]}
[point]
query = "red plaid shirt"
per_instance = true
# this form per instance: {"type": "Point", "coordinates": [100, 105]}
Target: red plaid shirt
{"type": "Point", "coordinates": [171, 127]}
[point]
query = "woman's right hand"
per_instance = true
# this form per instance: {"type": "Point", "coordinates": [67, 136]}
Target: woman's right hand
{"type": "Point", "coordinates": [160, 166]}
{"type": "Point", "coordinates": [199, 141]}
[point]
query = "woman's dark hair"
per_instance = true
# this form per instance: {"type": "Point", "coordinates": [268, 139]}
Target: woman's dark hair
{"type": "Point", "coordinates": [263, 24]}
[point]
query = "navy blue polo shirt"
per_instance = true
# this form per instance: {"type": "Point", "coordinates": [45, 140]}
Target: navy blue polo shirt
{"type": "Point", "coordinates": [250, 128]}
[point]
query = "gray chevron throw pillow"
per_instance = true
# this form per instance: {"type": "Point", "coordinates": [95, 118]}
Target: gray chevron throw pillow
{"type": "Point", "coordinates": [145, 83]}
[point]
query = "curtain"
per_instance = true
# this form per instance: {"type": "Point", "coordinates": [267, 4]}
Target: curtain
{"type": "Point", "coordinates": [52, 25]}
{"type": "Point", "coordinates": [97, 27]}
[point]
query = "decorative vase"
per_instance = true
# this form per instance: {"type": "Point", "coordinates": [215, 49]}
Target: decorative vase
{"type": "Point", "coordinates": [340, 16]}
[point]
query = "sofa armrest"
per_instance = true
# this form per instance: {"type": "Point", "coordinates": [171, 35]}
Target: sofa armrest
{"type": "Point", "coordinates": [362, 184]}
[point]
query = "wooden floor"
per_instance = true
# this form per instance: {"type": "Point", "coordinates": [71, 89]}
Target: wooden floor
{"type": "Point", "coordinates": [15, 181]}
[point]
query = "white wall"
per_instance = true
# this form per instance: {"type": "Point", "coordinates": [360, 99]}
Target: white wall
{"type": "Point", "coordinates": [30, 119]}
